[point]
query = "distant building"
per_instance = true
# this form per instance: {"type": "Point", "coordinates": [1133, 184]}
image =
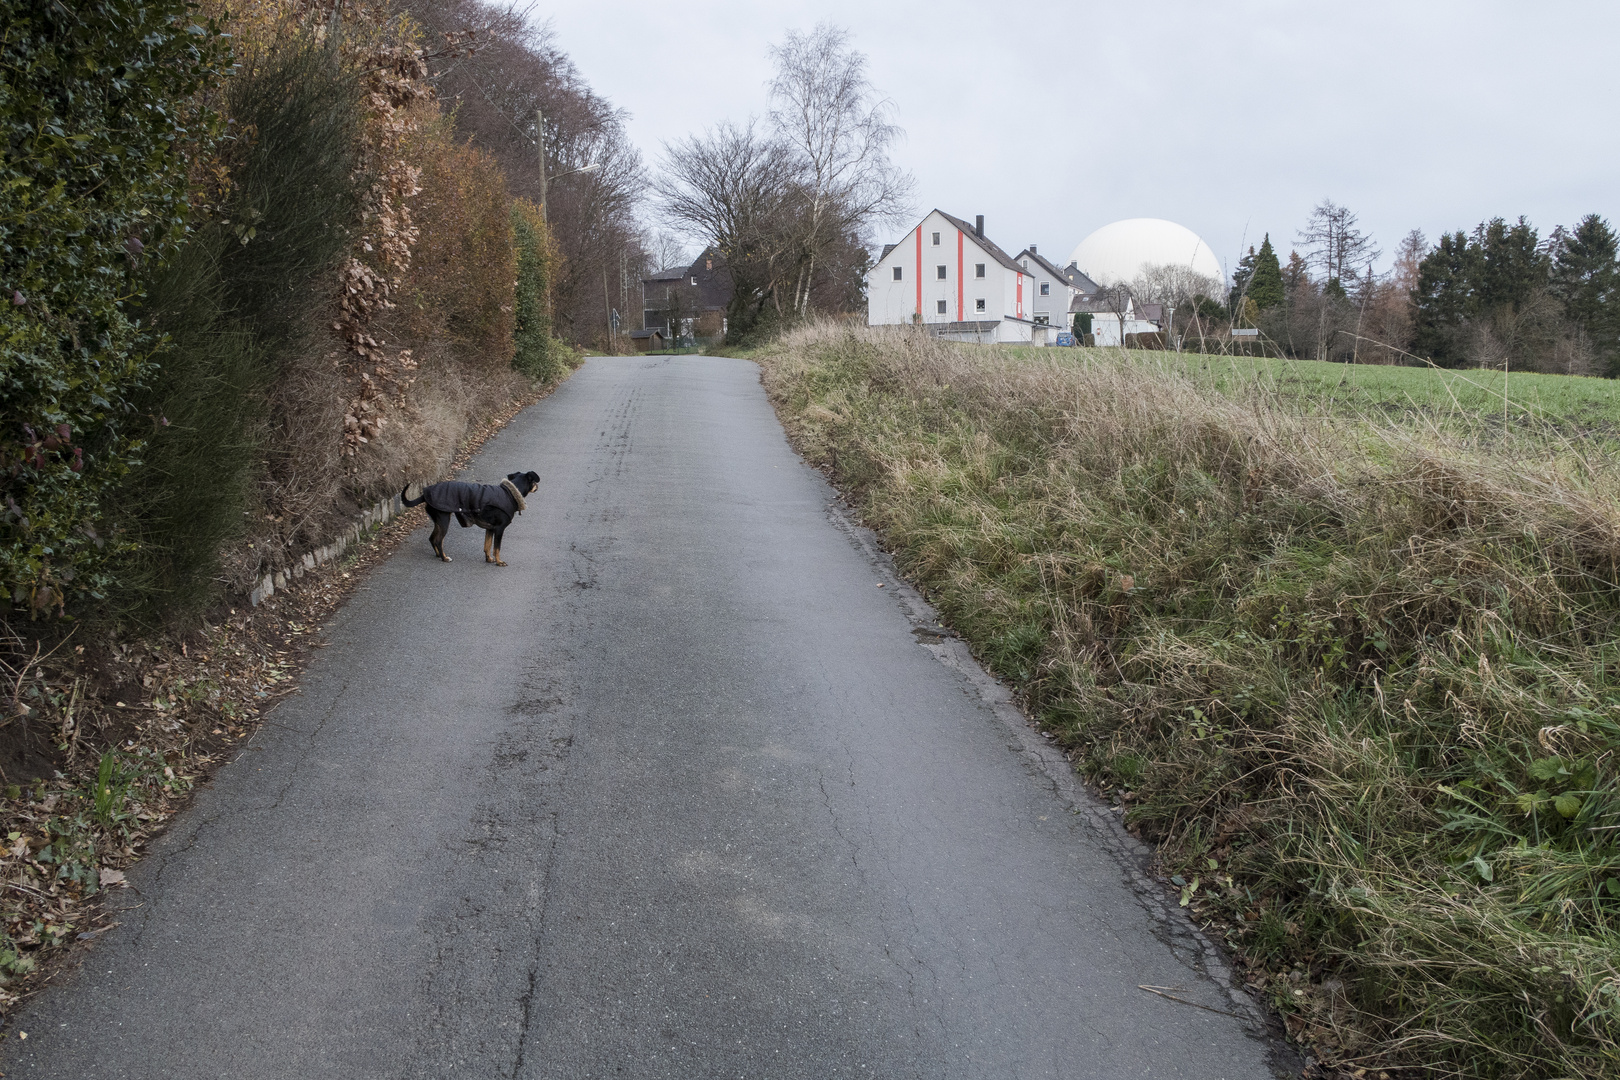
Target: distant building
{"type": "Point", "coordinates": [648, 340]}
{"type": "Point", "coordinates": [687, 301]}
{"type": "Point", "coordinates": [947, 276]}
{"type": "Point", "coordinates": [1055, 292]}
{"type": "Point", "coordinates": [1115, 317]}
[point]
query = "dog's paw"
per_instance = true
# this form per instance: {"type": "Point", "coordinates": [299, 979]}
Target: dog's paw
{"type": "Point", "coordinates": [444, 558]}
{"type": "Point", "coordinates": [499, 563]}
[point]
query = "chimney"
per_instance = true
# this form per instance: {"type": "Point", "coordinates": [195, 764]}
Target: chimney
{"type": "Point", "coordinates": [1032, 250]}
{"type": "Point", "coordinates": [978, 226]}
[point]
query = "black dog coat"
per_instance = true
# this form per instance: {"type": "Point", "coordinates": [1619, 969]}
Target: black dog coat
{"type": "Point", "coordinates": [465, 499]}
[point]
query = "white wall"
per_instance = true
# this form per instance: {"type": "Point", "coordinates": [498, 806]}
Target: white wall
{"type": "Point", "coordinates": [891, 302]}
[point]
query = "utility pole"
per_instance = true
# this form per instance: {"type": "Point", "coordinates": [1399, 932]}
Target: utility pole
{"type": "Point", "coordinates": [540, 144]}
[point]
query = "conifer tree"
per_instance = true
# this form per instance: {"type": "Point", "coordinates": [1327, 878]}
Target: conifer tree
{"type": "Point", "coordinates": [1586, 277]}
{"type": "Point", "coordinates": [1266, 286]}
{"type": "Point", "coordinates": [1445, 297]}
{"type": "Point", "coordinates": [1241, 276]}
{"type": "Point", "coordinates": [1510, 264]}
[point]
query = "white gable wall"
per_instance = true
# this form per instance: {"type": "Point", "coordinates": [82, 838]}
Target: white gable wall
{"type": "Point", "coordinates": [1005, 292]}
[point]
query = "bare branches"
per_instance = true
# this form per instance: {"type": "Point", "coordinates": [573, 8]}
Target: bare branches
{"type": "Point", "coordinates": [1334, 243]}
{"type": "Point", "coordinates": [840, 131]}
{"type": "Point", "coordinates": [735, 186]}
{"type": "Point", "coordinates": [790, 204]}
{"type": "Point", "coordinates": [517, 70]}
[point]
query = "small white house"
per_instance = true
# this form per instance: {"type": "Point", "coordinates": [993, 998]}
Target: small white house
{"type": "Point", "coordinates": [947, 276]}
{"type": "Point", "coordinates": [1116, 314]}
{"type": "Point", "coordinates": [1055, 292]}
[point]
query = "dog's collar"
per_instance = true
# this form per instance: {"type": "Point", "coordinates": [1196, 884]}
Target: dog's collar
{"type": "Point", "coordinates": [511, 489]}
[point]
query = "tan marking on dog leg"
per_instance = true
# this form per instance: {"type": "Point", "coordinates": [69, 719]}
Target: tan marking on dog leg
{"type": "Point", "coordinates": [489, 539]}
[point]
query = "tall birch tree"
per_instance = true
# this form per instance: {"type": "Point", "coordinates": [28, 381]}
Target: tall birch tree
{"type": "Point", "coordinates": [840, 130]}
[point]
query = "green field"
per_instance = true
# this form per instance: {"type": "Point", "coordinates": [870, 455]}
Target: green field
{"type": "Point", "coordinates": [1569, 403]}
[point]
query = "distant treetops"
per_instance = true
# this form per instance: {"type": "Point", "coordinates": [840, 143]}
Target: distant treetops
{"type": "Point", "coordinates": [1257, 283]}
{"type": "Point", "coordinates": [1503, 276]}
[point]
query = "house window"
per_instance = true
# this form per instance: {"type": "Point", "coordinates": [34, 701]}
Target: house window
{"type": "Point", "coordinates": [939, 271]}
{"type": "Point", "coordinates": [897, 273]}
{"type": "Point", "coordinates": [1043, 319]}
{"type": "Point", "coordinates": [978, 269]}
{"type": "Point", "coordinates": [941, 307]}
{"type": "Point", "coordinates": [978, 305]}
{"type": "Point", "coordinates": [1046, 288]}
{"type": "Point", "coordinates": [694, 279]}
{"type": "Point", "coordinates": [936, 239]}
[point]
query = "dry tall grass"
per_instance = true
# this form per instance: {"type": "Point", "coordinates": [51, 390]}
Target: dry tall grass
{"type": "Point", "coordinates": [1358, 680]}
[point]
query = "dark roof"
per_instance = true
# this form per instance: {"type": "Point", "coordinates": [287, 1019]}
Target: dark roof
{"type": "Point", "coordinates": [707, 273]}
{"type": "Point", "coordinates": [886, 249]}
{"type": "Point", "coordinates": [638, 335]}
{"type": "Point", "coordinates": [1071, 273]}
{"type": "Point", "coordinates": [1081, 279]}
{"type": "Point", "coordinates": [1093, 304]}
{"type": "Point", "coordinates": [983, 241]}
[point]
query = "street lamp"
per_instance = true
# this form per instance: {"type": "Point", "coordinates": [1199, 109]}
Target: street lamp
{"type": "Point", "coordinates": [592, 167]}
{"type": "Point", "coordinates": [545, 181]}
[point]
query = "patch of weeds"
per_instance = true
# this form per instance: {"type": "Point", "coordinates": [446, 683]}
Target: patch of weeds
{"type": "Point", "coordinates": [1355, 674]}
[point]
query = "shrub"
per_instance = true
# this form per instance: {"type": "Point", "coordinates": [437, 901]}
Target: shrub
{"type": "Point", "coordinates": [234, 305]}
{"type": "Point", "coordinates": [462, 277]}
{"type": "Point", "coordinates": [96, 117]}
{"type": "Point", "coordinates": [536, 353]}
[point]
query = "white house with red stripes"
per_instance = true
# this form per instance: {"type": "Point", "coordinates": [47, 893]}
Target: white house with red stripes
{"type": "Point", "coordinates": [947, 276]}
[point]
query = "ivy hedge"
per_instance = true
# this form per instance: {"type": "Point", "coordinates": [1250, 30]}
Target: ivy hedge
{"type": "Point", "coordinates": [99, 116]}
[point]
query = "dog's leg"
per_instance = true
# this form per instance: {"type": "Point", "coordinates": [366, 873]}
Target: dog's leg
{"type": "Point", "coordinates": [441, 525]}
{"type": "Point", "coordinates": [499, 533]}
{"type": "Point", "coordinates": [489, 538]}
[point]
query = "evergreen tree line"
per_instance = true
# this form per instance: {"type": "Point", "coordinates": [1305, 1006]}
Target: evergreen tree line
{"type": "Point", "coordinates": [1501, 296]}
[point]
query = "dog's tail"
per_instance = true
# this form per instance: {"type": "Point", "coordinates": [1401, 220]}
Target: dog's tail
{"type": "Point", "coordinates": [418, 501]}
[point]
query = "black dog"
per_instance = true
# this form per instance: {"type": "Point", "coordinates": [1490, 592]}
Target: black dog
{"type": "Point", "coordinates": [489, 506]}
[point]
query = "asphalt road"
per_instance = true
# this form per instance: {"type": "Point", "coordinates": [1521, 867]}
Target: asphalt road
{"type": "Point", "coordinates": [679, 793]}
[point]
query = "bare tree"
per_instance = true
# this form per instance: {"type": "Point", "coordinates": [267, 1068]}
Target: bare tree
{"type": "Point", "coordinates": [666, 251]}
{"type": "Point", "coordinates": [736, 188]}
{"type": "Point", "coordinates": [1333, 242]}
{"type": "Point", "coordinates": [825, 108]}
{"type": "Point", "coordinates": [514, 70]}
{"type": "Point", "coordinates": [1116, 299]}
{"type": "Point", "coordinates": [1177, 288]}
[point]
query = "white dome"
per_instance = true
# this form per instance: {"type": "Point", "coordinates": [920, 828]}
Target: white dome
{"type": "Point", "coordinates": [1118, 252]}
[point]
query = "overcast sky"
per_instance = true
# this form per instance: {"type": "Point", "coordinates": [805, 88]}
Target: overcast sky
{"type": "Point", "coordinates": [1232, 117]}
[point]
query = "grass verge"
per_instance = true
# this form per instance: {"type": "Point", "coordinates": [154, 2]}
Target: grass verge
{"type": "Point", "coordinates": [1355, 673]}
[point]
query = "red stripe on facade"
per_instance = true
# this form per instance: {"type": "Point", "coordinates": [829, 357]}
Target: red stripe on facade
{"type": "Point", "coordinates": [958, 275]}
{"type": "Point", "coordinates": [919, 273]}
{"type": "Point", "coordinates": [1020, 296]}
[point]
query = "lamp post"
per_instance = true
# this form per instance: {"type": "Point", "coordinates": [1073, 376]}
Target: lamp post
{"type": "Point", "coordinates": [545, 181]}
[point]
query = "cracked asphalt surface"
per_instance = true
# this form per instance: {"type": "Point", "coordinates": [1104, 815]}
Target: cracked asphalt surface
{"type": "Point", "coordinates": [678, 793]}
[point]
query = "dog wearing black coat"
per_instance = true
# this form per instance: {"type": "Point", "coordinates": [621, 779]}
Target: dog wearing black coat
{"type": "Point", "coordinates": [489, 506]}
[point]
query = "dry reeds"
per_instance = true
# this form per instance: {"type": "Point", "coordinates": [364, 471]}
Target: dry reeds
{"type": "Point", "coordinates": [1358, 679]}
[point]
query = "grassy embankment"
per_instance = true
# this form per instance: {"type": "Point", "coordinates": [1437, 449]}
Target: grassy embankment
{"type": "Point", "coordinates": [1348, 658]}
